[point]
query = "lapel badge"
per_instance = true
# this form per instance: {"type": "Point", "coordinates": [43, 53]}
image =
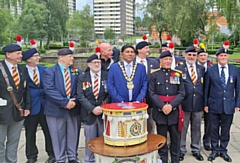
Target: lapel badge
{"type": "Point", "coordinates": [202, 80]}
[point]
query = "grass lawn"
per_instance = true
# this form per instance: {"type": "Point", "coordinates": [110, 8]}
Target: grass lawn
{"type": "Point", "coordinates": [234, 55]}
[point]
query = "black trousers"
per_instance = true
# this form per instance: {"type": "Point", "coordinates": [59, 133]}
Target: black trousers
{"type": "Point", "coordinates": [220, 131]}
{"type": "Point", "coordinates": [207, 130]}
{"type": "Point", "coordinates": [175, 142]}
{"type": "Point", "coordinates": [31, 123]}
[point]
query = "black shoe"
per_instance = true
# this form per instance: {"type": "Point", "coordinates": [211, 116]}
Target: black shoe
{"type": "Point", "coordinates": [226, 157]}
{"type": "Point", "coordinates": [181, 157]}
{"type": "Point", "coordinates": [78, 161]}
{"type": "Point", "coordinates": [198, 156]}
{"type": "Point", "coordinates": [75, 161]}
{"type": "Point", "coordinates": [50, 160]}
{"type": "Point", "coordinates": [212, 156]}
{"type": "Point", "coordinates": [207, 147]}
{"type": "Point", "coordinates": [31, 160]}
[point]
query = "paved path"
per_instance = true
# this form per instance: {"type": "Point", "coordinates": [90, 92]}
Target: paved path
{"type": "Point", "coordinates": [233, 147]}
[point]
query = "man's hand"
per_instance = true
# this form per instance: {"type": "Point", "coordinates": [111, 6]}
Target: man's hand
{"type": "Point", "coordinates": [71, 103]}
{"type": "Point", "coordinates": [97, 110]}
{"type": "Point", "coordinates": [236, 110]}
{"type": "Point", "coordinates": [167, 109]}
{"type": "Point", "coordinates": [206, 109]}
{"type": "Point", "coordinates": [26, 113]}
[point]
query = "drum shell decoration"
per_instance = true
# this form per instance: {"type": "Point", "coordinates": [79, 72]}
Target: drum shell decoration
{"type": "Point", "coordinates": [125, 124]}
{"type": "Point", "coordinates": [145, 158]}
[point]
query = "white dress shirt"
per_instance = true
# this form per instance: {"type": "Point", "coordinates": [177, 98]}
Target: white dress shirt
{"type": "Point", "coordinates": [30, 72]}
{"type": "Point", "coordinates": [225, 71]}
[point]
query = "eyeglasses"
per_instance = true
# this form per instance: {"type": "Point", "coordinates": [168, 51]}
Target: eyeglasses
{"type": "Point", "coordinates": [96, 62]}
{"type": "Point", "coordinates": [194, 55]}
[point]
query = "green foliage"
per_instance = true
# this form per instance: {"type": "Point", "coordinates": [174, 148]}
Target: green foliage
{"type": "Point", "coordinates": [83, 44]}
{"type": "Point", "coordinates": [138, 22]}
{"type": "Point", "coordinates": [32, 20]}
{"type": "Point", "coordinates": [80, 25]}
{"type": "Point", "coordinates": [109, 34]}
{"type": "Point", "coordinates": [5, 25]}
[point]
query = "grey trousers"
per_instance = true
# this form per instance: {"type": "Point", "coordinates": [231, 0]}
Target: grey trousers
{"type": "Point", "coordinates": [195, 119]}
{"type": "Point", "coordinates": [151, 125]}
{"type": "Point", "coordinates": [91, 132]}
{"type": "Point", "coordinates": [8, 153]}
{"type": "Point", "coordinates": [64, 134]}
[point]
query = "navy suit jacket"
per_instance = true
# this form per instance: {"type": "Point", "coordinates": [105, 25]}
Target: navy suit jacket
{"type": "Point", "coordinates": [37, 94]}
{"type": "Point", "coordinates": [218, 99]}
{"type": "Point", "coordinates": [87, 99]}
{"type": "Point", "coordinates": [56, 98]}
{"type": "Point", "coordinates": [152, 64]}
{"type": "Point", "coordinates": [116, 54]}
{"type": "Point", "coordinates": [10, 113]}
{"type": "Point", "coordinates": [117, 84]}
{"type": "Point", "coordinates": [193, 101]}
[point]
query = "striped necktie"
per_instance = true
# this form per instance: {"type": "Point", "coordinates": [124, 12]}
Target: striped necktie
{"type": "Point", "coordinates": [95, 88]}
{"type": "Point", "coordinates": [223, 80]}
{"type": "Point", "coordinates": [193, 75]}
{"type": "Point", "coordinates": [35, 77]}
{"type": "Point", "coordinates": [15, 76]}
{"type": "Point", "coordinates": [67, 82]}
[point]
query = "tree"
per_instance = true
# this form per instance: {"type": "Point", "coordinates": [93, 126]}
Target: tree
{"type": "Point", "coordinates": [189, 19]}
{"type": "Point", "coordinates": [228, 9]}
{"type": "Point", "coordinates": [6, 20]}
{"type": "Point", "coordinates": [73, 26]}
{"type": "Point", "coordinates": [86, 24]}
{"type": "Point", "coordinates": [32, 21]}
{"type": "Point", "coordinates": [156, 9]}
{"type": "Point", "coordinates": [55, 19]}
{"type": "Point", "coordinates": [138, 22]}
{"type": "Point", "coordinates": [109, 34]}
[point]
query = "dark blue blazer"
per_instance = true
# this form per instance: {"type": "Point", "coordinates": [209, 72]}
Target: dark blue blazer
{"type": "Point", "coordinates": [179, 61]}
{"type": "Point", "coordinates": [56, 98]}
{"type": "Point", "coordinates": [116, 54]}
{"type": "Point", "coordinates": [152, 64]}
{"type": "Point", "coordinates": [37, 94]}
{"type": "Point", "coordinates": [117, 84]}
{"type": "Point", "coordinates": [87, 98]}
{"type": "Point", "coordinates": [221, 100]}
{"type": "Point", "coordinates": [193, 101]}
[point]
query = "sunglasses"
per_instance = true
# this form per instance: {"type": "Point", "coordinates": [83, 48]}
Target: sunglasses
{"type": "Point", "coordinates": [194, 55]}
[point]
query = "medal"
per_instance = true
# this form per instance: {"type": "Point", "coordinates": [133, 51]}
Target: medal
{"type": "Point", "coordinates": [130, 85]}
{"type": "Point", "coordinates": [24, 84]}
{"type": "Point", "coordinates": [184, 76]}
{"type": "Point", "coordinates": [231, 79]}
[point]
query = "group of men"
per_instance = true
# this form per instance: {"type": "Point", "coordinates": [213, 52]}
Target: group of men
{"type": "Point", "coordinates": [59, 98]}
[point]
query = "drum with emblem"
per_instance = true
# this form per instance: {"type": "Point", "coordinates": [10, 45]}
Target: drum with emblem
{"type": "Point", "coordinates": [125, 123]}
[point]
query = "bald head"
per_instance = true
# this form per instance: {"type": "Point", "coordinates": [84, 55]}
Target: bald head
{"type": "Point", "coordinates": [106, 50]}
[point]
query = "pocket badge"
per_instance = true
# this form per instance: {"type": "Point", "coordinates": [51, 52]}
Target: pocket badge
{"type": "Point", "coordinates": [25, 84]}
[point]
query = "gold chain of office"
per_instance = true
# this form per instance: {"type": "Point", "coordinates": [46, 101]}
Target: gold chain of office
{"type": "Point", "coordinates": [129, 79]}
